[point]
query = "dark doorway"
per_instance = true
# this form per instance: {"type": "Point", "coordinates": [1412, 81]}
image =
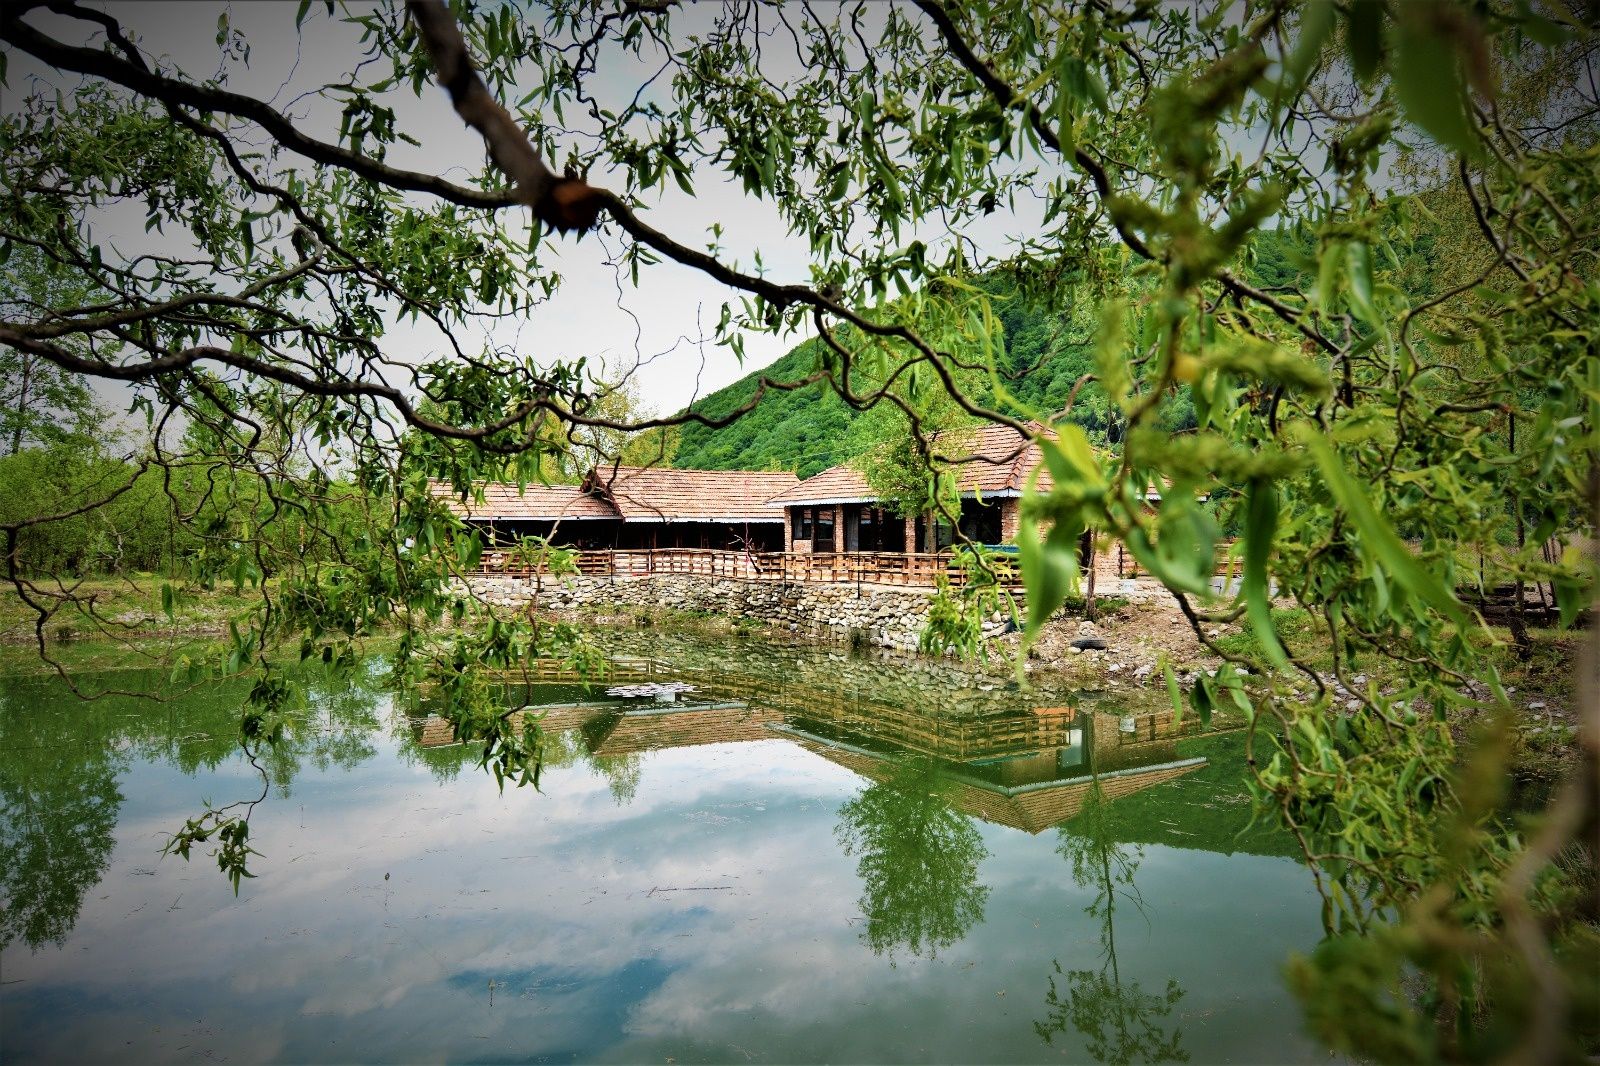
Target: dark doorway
{"type": "Point", "coordinates": [868, 528]}
{"type": "Point", "coordinates": [823, 541]}
{"type": "Point", "coordinates": [980, 522]}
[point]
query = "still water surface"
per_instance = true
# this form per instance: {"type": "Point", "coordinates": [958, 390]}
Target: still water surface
{"type": "Point", "coordinates": [807, 859]}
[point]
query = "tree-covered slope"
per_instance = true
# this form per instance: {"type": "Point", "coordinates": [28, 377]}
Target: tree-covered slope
{"type": "Point", "coordinates": [802, 430]}
{"type": "Point", "coordinates": [806, 430]}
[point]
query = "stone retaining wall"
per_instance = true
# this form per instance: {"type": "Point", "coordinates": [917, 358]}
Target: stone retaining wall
{"type": "Point", "coordinates": [890, 617]}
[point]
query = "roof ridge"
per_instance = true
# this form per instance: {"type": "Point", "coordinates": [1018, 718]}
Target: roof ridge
{"type": "Point", "coordinates": [1028, 445]}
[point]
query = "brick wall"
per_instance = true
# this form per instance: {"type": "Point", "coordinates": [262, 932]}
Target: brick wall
{"type": "Point", "coordinates": [1010, 519]}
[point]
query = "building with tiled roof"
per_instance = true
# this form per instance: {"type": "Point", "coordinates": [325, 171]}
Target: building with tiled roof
{"type": "Point", "coordinates": [504, 502]}
{"type": "Point", "coordinates": [664, 494]}
{"type": "Point", "coordinates": [632, 507]}
{"type": "Point", "coordinates": [837, 510]}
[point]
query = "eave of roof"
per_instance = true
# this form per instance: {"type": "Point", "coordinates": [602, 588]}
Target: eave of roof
{"type": "Point", "coordinates": [988, 494]}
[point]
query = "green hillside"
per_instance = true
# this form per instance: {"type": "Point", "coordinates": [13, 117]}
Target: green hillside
{"type": "Point", "coordinates": [801, 430]}
{"type": "Point", "coordinates": [806, 430]}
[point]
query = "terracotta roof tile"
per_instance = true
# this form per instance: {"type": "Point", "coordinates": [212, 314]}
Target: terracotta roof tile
{"type": "Point", "coordinates": [988, 459]}
{"type": "Point", "coordinates": [633, 494]}
{"type": "Point", "coordinates": [502, 500]}
{"type": "Point", "coordinates": [662, 493]}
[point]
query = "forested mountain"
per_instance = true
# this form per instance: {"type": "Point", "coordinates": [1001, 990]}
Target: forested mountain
{"type": "Point", "coordinates": [801, 430]}
{"type": "Point", "coordinates": [807, 430]}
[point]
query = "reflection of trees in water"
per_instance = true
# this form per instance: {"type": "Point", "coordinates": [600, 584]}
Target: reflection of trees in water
{"type": "Point", "coordinates": [443, 763]}
{"type": "Point", "coordinates": [60, 760]}
{"type": "Point", "coordinates": [559, 749]}
{"type": "Point", "coordinates": [918, 862]}
{"type": "Point", "coordinates": [1120, 1022]}
{"type": "Point", "coordinates": [622, 773]}
{"type": "Point", "coordinates": [334, 726]}
{"type": "Point", "coordinates": [59, 803]}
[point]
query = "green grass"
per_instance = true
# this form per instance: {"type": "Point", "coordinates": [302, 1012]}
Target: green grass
{"type": "Point", "coordinates": [129, 604]}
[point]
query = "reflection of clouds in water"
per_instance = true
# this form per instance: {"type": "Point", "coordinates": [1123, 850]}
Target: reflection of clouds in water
{"type": "Point", "coordinates": [550, 896]}
{"type": "Point", "coordinates": [604, 878]}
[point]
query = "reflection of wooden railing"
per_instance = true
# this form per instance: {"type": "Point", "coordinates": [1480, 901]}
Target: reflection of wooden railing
{"type": "Point", "coordinates": [916, 729]}
{"type": "Point", "coordinates": [955, 739]}
{"type": "Point", "coordinates": [867, 568]}
{"type": "Point", "coordinates": [620, 669]}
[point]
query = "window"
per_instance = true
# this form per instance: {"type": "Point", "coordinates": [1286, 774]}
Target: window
{"type": "Point", "coordinates": [825, 524]}
{"type": "Point", "coordinates": [802, 523]}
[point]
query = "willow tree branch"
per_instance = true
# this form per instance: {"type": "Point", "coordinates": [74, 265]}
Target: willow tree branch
{"type": "Point", "coordinates": [562, 202]}
{"type": "Point", "coordinates": [139, 79]}
{"type": "Point", "coordinates": [508, 143]}
{"type": "Point", "coordinates": [1009, 97]}
{"type": "Point", "coordinates": [565, 203]}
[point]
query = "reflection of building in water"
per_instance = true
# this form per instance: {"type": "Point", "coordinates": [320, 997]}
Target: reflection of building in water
{"type": "Point", "coordinates": [1028, 768]}
{"type": "Point", "coordinates": [652, 729]}
{"type": "Point", "coordinates": [1039, 789]}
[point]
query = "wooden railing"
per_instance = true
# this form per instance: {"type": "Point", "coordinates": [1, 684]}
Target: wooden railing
{"type": "Point", "coordinates": [868, 568]}
{"type": "Point", "coordinates": [919, 570]}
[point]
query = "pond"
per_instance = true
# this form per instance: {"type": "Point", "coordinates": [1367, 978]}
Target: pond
{"type": "Point", "coordinates": [807, 857]}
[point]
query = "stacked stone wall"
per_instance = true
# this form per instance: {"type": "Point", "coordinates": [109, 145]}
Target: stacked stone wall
{"type": "Point", "coordinates": [888, 617]}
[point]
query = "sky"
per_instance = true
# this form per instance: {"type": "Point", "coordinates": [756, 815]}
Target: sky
{"type": "Point", "coordinates": [659, 330]}
{"type": "Point", "coordinates": [663, 326]}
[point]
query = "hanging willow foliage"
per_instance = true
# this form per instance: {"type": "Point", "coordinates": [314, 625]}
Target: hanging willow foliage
{"type": "Point", "coordinates": [1422, 376]}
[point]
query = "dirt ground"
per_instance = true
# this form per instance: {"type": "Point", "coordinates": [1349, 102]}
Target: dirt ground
{"type": "Point", "coordinates": [1136, 634]}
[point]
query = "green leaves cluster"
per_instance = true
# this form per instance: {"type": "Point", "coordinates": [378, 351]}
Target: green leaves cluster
{"type": "Point", "coordinates": [1321, 276]}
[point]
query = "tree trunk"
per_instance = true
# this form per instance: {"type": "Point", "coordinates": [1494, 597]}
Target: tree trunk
{"type": "Point", "coordinates": [22, 402]}
{"type": "Point", "coordinates": [1519, 623]}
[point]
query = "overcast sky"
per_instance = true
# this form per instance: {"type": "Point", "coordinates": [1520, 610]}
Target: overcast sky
{"type": "Point", "coordinates": [665, 322]}
{"type": "Point", "coordinates": [598, 313]}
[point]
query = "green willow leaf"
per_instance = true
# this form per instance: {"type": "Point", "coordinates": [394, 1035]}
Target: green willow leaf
{"type": "Point", "coordinates": [1358, 268]}
{"type": "Point", "coordinates": [1173, 692]}
{"type": "Point", "coordinates": [1048, 573]}
{"type": "Point", "coordinates": [1379, 537]}
{"type": "Point", "coordinates": [1201, 697]}
{"type": "Point", "coordinates": [1364, 36]}
{"type": "Point", "coordinates": [1261, 524]}
{"type": "Point", "coordinates": [1316, 24]}
{"type": "Point", "coordinates": [1428, 82]}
